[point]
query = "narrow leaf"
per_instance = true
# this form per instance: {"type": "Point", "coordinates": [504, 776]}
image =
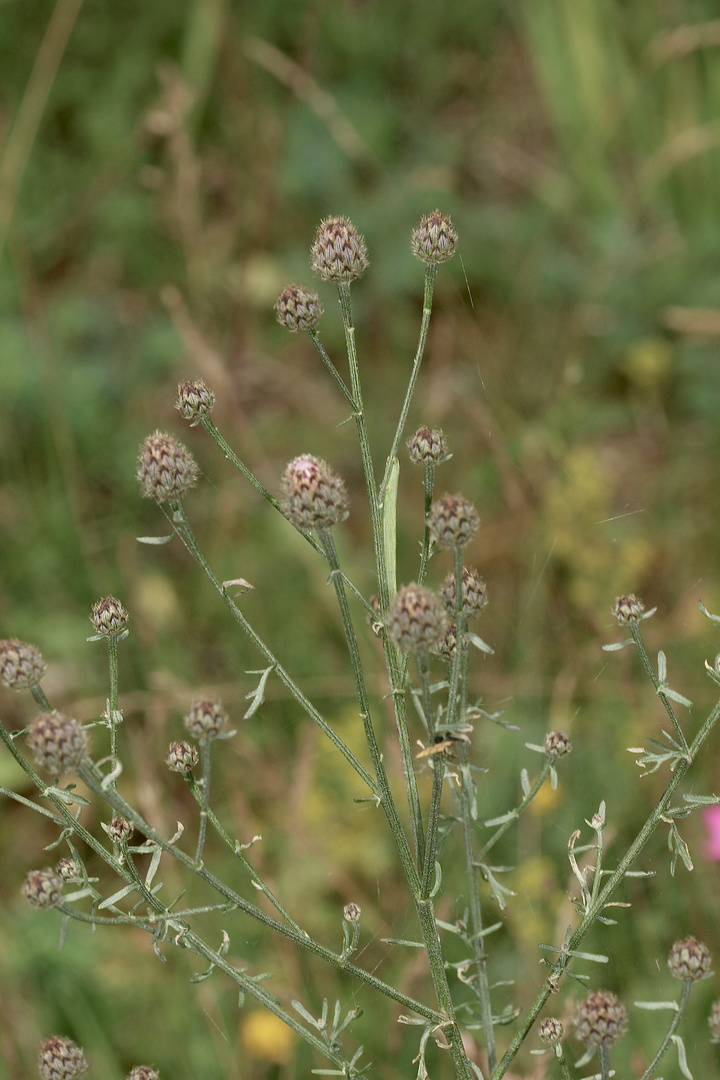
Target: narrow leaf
{"type": "Point", "coordinates": [154, 540]}
{"type": "Point", "coordinates": [389, 524]}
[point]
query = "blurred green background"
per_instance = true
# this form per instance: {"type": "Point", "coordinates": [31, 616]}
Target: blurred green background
{"type": "Point", "coordinates": [163, 169]}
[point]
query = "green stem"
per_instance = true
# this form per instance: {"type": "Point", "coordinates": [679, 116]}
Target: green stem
{"type": "Point", "coordinates": [183, 530]}
{"type": "Point", "coordinates": [113, 712]}
{"type": "Point", "coordinates": [520, 808]}
{"type": "Point", "coordinates": [438, 769]}
{"type": "Point", "coordinates": [607, 891]}
{"type": "Point", "coordinates": [430, 274]}
{"type": "Point", "coordinates": [674, 1025]}
{"type": "Point", "coordinates": [315, 338]}
{"type": "Point", "coordinates": [426, 550]}
{"type": "Point", "coordinates": [603, 1058]}
{"type": "Point", "coordinates": [39, 694]}
{"type": "Point", "coordinates": [204, 798]}
{"type": "Point", "coordinates": [640, 645]}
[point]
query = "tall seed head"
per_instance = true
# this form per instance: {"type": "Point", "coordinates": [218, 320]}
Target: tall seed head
{"type": "Point", "coordinates": [297, 308]}
{"type": "Point", "coordinates": [166, 468]}
{"type": "Point", "coordinates": [338, 253]}
{"type": "Point", "coordinates": [416, 620]}
{"type": "Point", "coordinates": [61, 1059]}
{"type": "Point", "coordinates": [435, 239]}
{"type": "Point", "coordinates": [58, 743]}
{"type": "Point", "coordinates": [453, 521]}
{"type": "Point", "coordinates": [313, 497]}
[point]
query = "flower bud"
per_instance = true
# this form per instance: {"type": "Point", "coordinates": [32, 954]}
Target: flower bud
{"type": "Point", "coordinates": [714, 1022]}
{"type": "Point", "coordinates": [627, 609]}
{"type": "Point", "coordinates": [43, 888]}
{"type": "Point", "coordinates": [474, 593]}
{"type": "Point", "coordinates": [206, 720]}
{"type": "Point", "coordinates": [313, 497]}
{"type": "Point", "coordinates": [194, 400]}
{"type": "Point", "coordinates": [297, 308]}
{"type": "Point", "coordinates": [182, 757]}
{"type": "Point", "coordinates": [557, 744]}
{"type": "Point", "coordinates": [58, 743]}
{"type": "Point", "coordinates": [551, 1030]}
{"type": "Point", "coordinates": [351, 913]}
{"type": "Point", "coordinates": [416, 620]}
{"type": "Point", "coordinates": [68, 870]}
{"type": "Point", "coordinates": [427, 447]}
{"type": "Point", "coordinates": [600, 1019]}
{"type": "Point", "coordinates": [689, 960]}
{"type": "Point", "coordinates": [447, 644]}
{"type": "Point", "coordinates": [338, 253]}
{"type": "Point", "coordinates": [109, 617]}
{"type": "Point", "coordinates": [61, 1059]}
{"type": "Point", "coordinates": [21, 664]}
{"type": "Point", "coordinates": [435, 239]}
{"type": "Point", "coordinates": [143, 1072]}
{"type": "Point", "coordinates": [166, 468]}
{"type": "Point", "coordinates": [453, 521]}
{"type": "Point", "coordinates": [119, 830]}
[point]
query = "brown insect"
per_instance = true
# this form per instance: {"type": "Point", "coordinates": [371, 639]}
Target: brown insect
{"type": "Point", "coordinates": [443, 743]}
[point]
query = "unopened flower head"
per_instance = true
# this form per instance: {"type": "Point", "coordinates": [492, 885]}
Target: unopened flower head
{"type": "Point", "coordinates": [120, 830]}
{"type": "Point", "coordinates": [435, 239]}
{"type": "Point", "coordinates": [182, 757]}
{"type": "Point", "coordinates": [338, 253]}
{"type": "Point", "coordinates": [557, 744]}
{"type": "Point", "coordinates": [21, 664]}
{"type": "Point", "coordinates": [416, 620]}
{"type": "Point", "coordinates": [68, 870]}
{"type": "Point", "coordinates": [297, 308]}
{"type": "Point", "coordinates": [43, 888]}
{"type": "Point", "coordinates": [474, 593]}
{"type": "Point", "coordinates": [206, 720]}
{"type": "Point", "coordinates": [58, 743]}
{"type": "Point", "coordinates": [689, 960]}
{"type": "Point", "coordinates": [453, 521]}
{"type": "Point", "coordinates": [143, 1072]}
{"type": "Point", "coordinates": [61, 1059]}
{"type": "Point", "coordinates": [194, 400]}
{"type": "Point", "coordinates": [313, 497]}
{"type": "Point", "coordinates": [551, 1030]}
{"type": "Point", "coordinates": [166, 468]}
{"type": "Point", "coordinates": [109, 617]}
{"type": "Point", "coordinates": [351, 913]}
{"type": "Point", "coordinates": [447, 644]}
{"type": "Point", "coordinates": [428, 447]}
{"type": "Point", "coordinates": [600, 1019]}
{"type": "Point", "coordinates": [627, 609]}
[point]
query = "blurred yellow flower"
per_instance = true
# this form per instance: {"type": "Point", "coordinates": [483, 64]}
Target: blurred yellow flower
{"type": "Point", "coordinates": [266, 1038]}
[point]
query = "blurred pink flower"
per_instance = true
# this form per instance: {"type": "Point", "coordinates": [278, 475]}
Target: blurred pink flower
{"type": "Point", "coordinates": [711, 817]}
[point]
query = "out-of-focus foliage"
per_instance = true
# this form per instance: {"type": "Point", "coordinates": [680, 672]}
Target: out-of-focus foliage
{"type": "Point", "coordinates": [156, 192]}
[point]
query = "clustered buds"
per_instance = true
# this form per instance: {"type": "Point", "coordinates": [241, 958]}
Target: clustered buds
{"type": "Point", "coordinates": [206, 720]}
{"type": "Point", "coordinates": [298, 309]}
{"type": "Point", "coordinates": [61, 1059]}
{"type": "Point", "coordinates": [627, 609]}
{"type": "Point", "coordinates": [194, 400]}
{"type": "Point", "coordinates": [551, 1030]}
{"type": "Point", "coordinates": [435, 239]}
{"type": "Point", "coordinates": [43, 888]}
{"type": "Point", "coordinates": [428, 447]}
{"type": "Point", "coordinates": [166, 468]}
{"type": "Point", "coordinates": [351, 913]}
{"type": "Point", "coordinates": [453, 521]}
{"type": "Point", "coordinates": [338, 253]}
{"type": "Point", "coordinates": [600, 1019]}
{"type": "Point", "coordinates": [474, 593]}
{"type": "Point", "coordinates": [182, 757]}
{"type": "Point", "coordinates": [689, 960]}
{"type": "Point", "coordinates": [557, 744]}
{"type": "Point", "coordinates": [120, 830]}
{"type": "Point", "coordinates": [21, 664]}
{"type": "Point", "coordinates": [313, 497]}
{"type": "Point", "coordinates": [58, 742]}
{"type": "Point", "coordinates": [109, 617]}
{"type": "Point", "coordinates": [416, 620]}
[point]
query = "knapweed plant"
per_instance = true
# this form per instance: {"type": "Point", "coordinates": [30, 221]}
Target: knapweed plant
{"type": "Point", "coordinates": [471, 1025]}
